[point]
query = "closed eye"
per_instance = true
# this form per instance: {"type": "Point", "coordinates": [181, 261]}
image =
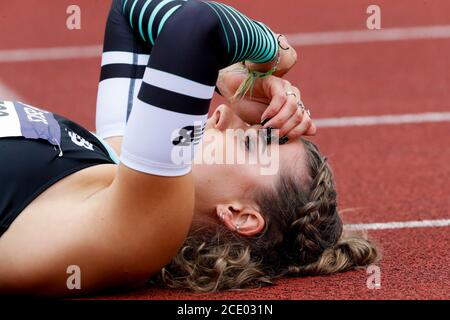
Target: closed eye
{"type": "Point", "coordinates": [265, 136]}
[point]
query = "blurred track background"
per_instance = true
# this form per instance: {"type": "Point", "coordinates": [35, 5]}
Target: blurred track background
{"type": "Point", "coordinates": [383, 108]}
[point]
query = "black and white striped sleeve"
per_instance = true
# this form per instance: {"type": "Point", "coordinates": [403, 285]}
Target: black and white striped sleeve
{"type": "Point", "coordinates": [189, 42]}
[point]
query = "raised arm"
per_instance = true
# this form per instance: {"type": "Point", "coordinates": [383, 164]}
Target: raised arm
{"type": "Point", "coordinates": [194, 40]}
{"type": "Point", "coordinates": [133, 27]}
{"type": "Point", "coordinates": [150, 202]}
{"type": "Point", "coordinates": [131, 226]}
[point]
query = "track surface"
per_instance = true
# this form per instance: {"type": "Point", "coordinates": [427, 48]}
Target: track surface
{"type": "Point", "coordinates": [384, 173]}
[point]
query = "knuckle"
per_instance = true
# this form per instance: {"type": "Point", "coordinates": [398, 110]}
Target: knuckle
{"type": "Point", "coordinates": [282, 98]}
{"type": "Point", "coordinates": [298, 131]}
{"type": "Point", "coordinates": [275, 108]}
{"type": "Point", "coordinates": [306, 125]}
{"type": "Point", "coordinates": [307, 119]}
{"type": "Point", "coordinates": [276, 122]}
{"type": "Point", "coordinates": [298, 117]}
{"type": "Point", "coordinates": [294, 133]}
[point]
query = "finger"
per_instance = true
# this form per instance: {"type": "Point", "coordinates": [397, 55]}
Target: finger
{"type": "Point", "coordinates": [296, 115]}
{"type": "Point", "coordinates": [312, 130]}
{"type": "Point", "coordinates": [276, 89]}
{"type": "Point", "coordinates": [295, 120]}
{"type": "Point", "coordinates": [298, 93]}
{"type": "Point", "coordinates": [300, 129]}
{"type": "Point", "coordinates": [284, 115]}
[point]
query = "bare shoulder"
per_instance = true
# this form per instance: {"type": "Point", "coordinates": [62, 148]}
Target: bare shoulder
{"type": "Point", "coordinates": [116, 226]}
{"type": "Point", "coordinates": [41, 242]}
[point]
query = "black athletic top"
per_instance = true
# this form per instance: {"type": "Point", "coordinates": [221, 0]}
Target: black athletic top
{"type": "Point", "coordinates": [37, 149]}
{"type": "Point", "coordinates": [160, 64]}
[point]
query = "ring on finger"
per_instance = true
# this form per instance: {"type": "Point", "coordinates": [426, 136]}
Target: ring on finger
{"type": "Point", "coordinates": [290, 93]}
{"type": "Point", "coordinates": [303, 108]}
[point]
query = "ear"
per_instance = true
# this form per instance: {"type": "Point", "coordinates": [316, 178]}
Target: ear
{"type": "Point", "coordinates": [241, 218]}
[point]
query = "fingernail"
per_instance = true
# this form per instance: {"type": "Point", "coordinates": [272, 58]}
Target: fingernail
{"type": "Point", "coordinates": [263, 123]}
{"type": "Point", "coordinates": [283, 140]}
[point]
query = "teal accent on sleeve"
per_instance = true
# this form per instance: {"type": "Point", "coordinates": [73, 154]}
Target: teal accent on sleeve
{"type": "Point", "coordinates": [260, 47]}
{"type": "Point", "coordinates": [152, 18]}
{"type": "Point", "coordinates": [252, 45]}
{"type": "Point", "coordinates": [167, 16]}
{"type": "Point", "coordinates": [272, 51]}
{"type": "Point", "coordinates": [274, 44]}
{"type": "Point", "coordinates": [225, 8]}
{"type": "Point", "coordinates": [256, 42]}
{"type": "Point", "coordinates": [257, 45]}
{"type": "Point", "coordinates": [141, 17]}
{"type": "Point", "coordinates": [124, 4]}
{"type": "Point", "coordinates": [249, 40]}
{"type": "Point", "coordinates": [223, 27]}
{"type": "Point", "coordinates": [131, 13]}
{"type": "Point", "coordinates": [263, 49]}
{"type": "Point", "coordinates": [245, 40]}
{"type": "Point", "coordinates": [234, 33]}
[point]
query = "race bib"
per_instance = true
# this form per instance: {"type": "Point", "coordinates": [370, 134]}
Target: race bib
{"type": "Point", "coordinates": [18, 119]}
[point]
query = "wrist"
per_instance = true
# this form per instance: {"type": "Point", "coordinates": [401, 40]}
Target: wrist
{"type": "Point", "coordinates": [230, 78]}
{"type": "Point", "coordinates": [263, 67]}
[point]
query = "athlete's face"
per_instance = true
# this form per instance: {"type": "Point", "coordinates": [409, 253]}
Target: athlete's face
{"type": "Point", "coordinates": [233, 161]}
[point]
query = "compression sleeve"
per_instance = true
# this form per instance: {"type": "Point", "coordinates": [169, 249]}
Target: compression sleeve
{"type": "Point", "coordinates": [246, 39]}
{"type": "Point", "coordinates": [243, 38]}
{"type": "Point", "coordinates": [192, 40]}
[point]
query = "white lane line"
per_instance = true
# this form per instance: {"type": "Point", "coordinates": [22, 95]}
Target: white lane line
{"type": "Point", "coordinates": [363, 36]}
{"type": "Point", "coordinates": [6, 93]}
{"type": "Point", "coordinates": [44, 54]}
{"type": "Point", "coordinates": [297, 39]}
{"type": "Point", "coordinates": [399, 225]}
{"type": "Point", "coordinates": [382, 119]}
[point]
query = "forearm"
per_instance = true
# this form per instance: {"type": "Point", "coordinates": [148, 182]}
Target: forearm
{"type": "Point", "coordinates": [180, 78]}
{"type": "Point", "coordinates": [248, 109]}
{"type": "Point", "coordinates": [126, 50]}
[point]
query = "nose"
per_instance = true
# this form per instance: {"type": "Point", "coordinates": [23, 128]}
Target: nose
{"type": "Point", "coordinates": [225, 118]}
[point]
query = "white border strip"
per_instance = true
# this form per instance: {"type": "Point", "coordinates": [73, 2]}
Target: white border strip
{"type": "Point", "coordinates": [121, 57]}
{"type": "Point", "coordinates": [363, 36]}
{"type": "Point", "coordinates": [174, 83]}
{"type": "Point", "coordinates": [399, 225]}
{"type": "Point", "coordinates": [382, 119]}
{"type": "Point", "coordinates": [297, 39]}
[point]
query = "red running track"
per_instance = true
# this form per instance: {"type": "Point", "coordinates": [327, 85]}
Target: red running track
{"type": "Point", "coordinates": [384, 173]}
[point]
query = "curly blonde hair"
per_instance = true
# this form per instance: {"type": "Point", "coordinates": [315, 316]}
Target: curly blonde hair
{"type": "Point", "coordinates": [303, 236]}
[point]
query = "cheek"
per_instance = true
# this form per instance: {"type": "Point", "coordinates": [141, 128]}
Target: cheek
{"type": "Point", "coordinates": [234, 148]}
{"type": "Point", "coordinates": [224, 157]}
{"type": "Point", "coordinates": [222, 148]}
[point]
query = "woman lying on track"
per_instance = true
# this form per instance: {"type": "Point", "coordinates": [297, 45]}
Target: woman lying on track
{"type": "Point", "coordinates": [67, 203]}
